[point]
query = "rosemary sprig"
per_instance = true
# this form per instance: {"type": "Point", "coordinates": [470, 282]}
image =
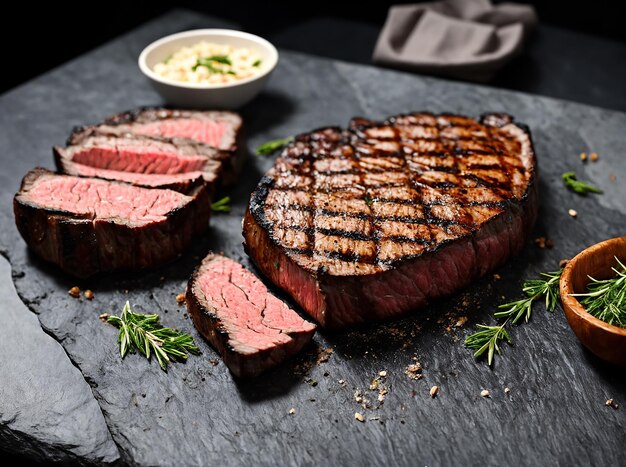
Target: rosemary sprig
{"type": "Point", "coordinates": [222, 205]}
{"type": "Point", "coordinates": [489, 337]}
{"type": "Point", "coordinates": [272, 146]}
{"type": "Point", "coordinates": [606, 299]}
{"type": "Point", "coordinates": [577, 186]}
{"type": "Point", "coordinates": [146, 334]}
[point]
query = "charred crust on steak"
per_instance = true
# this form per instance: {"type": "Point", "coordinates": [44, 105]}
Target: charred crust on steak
{"type": "Point", "coordinates": [307, 148]}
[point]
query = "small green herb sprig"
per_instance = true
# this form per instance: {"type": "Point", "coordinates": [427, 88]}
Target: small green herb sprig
{"type": "Point", "coordinates": [146, 334]}
{"type": "Point", "coordinates": [209, 64]}
{"type": "Point", "coordinates": [606, 299]}
{"type": "Point", "coordinates": [222, 205]}
{"type": "Point", "coordinates": [489, 338]}
{"type": "Point", "coordinates": [577, 186]}
{"type": "Point", "coordinates": [271, 147]}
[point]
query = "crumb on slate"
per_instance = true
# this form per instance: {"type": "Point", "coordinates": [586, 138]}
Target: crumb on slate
{"type": "Point", "coordinates": [180, 298]}
{"type": "Point", "coordinates": [583, 156]}
{"type": "Point", "coordinates": [612, 178]}
{"type": "Point", "coordinates": [573, 212]}
{"type": "Point", "coordinates": [292, 411]}
{"type": "Point", "coordinates": [507, 390]}
{"type": "Point", "coordinates": [414, 370]}
{"type": "Point", "coordinates": [434, 391]}
{"type": "Point", "coordinates": [543, 242]}
{"type": "Point", "coordinates": [359, 417]}
{"type": "Point", "coordinates": [485, 393]}
{"type": "Point", "coordinates": [214, 361]}
{"type": "Point", "coordinates": [461, 322]}
{"type": "Point", "coordinates": [611, 403]}
{"type": "Point", "coordinates": [594, 156]}
{"type": "Point", "coordinates": [89, 294]}
{"type": "Point", "coordinates": [74, 291]}
{"type": "Point", "coordinates": [497, 277]}
{"type": "Point", "coordinates": [103, 317]}
{"type": "Point", "coordinates": [324, 355]}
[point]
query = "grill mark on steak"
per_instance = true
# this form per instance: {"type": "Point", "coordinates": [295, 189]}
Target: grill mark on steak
{"type": "Point", "coordinates": [413, 186]}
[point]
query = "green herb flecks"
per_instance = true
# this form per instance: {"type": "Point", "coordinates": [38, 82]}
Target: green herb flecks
{"type": "Point", "coordinates": [257, 63]}
{"type": "Point", "coordinates": [606, 299]}
{"type": "Point", "coordinates": [581, 188]}
{"type": "Point", "coordinates": [209, 64]}
{"type": "Point", "coordinates": [146, 334]}
{"type": "Point", "coordinates": [488, 339]}
{"type": "Point", "coordinates": [272, 146]}
{"type": "Point", "coordinates": [222, 205]}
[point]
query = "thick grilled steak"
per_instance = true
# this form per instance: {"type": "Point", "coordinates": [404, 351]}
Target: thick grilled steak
{"type": "Point", "coordinates": [88, 225]}
{"type": "Point", "coordinates": [140, 160]}
{"type": "Point", "coordinates": [220, 130]}
{"type": "Point", "coordinates": [234, 311]}
{"type": "Point", "coordinates": [368, 223]}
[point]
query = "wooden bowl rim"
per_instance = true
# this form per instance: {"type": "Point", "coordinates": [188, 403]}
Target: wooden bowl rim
{"type": "Point", "coordinates": [571, 304]}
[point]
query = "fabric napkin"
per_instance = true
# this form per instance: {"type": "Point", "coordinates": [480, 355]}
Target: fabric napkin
{"type": "Point", "coordinates": [466, 39]}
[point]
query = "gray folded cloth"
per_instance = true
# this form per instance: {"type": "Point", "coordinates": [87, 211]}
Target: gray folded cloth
{"type": "Point", "coordinates": [466, 39]}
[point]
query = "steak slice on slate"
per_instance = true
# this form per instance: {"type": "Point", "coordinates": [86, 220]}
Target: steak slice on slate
{"type": "Point", "coordinates": [252, 329]}
{"type": "Point", "coordinates": [140, 160]}
{"type": "Point", "coordinates": [88, 225]}
{"type": "Point", "coordinates": [217, 129]}
{"type": "Point", "coordinates": [368, 223]}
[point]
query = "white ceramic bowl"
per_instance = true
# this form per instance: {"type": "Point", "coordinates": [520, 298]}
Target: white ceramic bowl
{"type": "Point", "coordinates": [208, 96]}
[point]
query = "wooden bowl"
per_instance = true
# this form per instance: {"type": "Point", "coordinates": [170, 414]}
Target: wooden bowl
{"type": "Point", "coordinates": [605, 340]}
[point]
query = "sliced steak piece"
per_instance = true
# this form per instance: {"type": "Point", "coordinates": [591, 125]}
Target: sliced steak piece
{"type": "Point", "coordinates": [88, 225]}
{"type": "Point", "coordinates": [146, 161]}
{"type": "Point", "coordinates": [252, 329]}
{"type": "Point", "coordinates": [368, 223]}
{"type": "Point", "coordinates": [221, 130]}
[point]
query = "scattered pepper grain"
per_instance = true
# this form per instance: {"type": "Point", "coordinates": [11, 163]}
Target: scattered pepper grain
{"type": "Point", "coordinates": [583, 156]}
{"type": "Point", "coordinates": [74, 292]}
{"type": "Point", "coordinates": [89, 294]}
{"type": "Point", "coordinates": [593, 157]}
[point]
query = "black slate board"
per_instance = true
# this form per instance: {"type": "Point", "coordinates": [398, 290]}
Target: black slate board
{"type": "Point", "coordinates": [197, 414]}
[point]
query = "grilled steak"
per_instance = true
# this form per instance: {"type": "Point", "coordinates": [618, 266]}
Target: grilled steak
{"type": "Point", "coordinates": [220, 130]}
{"type": "Point", "coordinates": [87, 225]}
{"type": "Point", "coordinates": [140, 160]}
{"type": "Point", "coordinates": [370, 222]}
{"type": "Point", "coordinates": [234, 311]}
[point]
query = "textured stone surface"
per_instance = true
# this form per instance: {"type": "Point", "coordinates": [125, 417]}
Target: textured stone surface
{"type": "Point", "coordinates": [47, 410]}
{"type": "Point", "coordinates": [197, 413]}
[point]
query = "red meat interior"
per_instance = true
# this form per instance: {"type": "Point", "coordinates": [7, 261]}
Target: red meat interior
{"type": "Point", "coordinates": [205, 131]}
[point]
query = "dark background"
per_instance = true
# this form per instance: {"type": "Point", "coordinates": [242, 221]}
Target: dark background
{"type": "Point", "coordinates": [65, 31]}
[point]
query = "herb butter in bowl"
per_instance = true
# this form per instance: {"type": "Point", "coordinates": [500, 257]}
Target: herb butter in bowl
{"type": "Point", "coordinates": [209, 68]}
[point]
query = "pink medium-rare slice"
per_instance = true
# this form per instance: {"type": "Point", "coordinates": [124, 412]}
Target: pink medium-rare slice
{"type": "Point", "coordinates": [251, 328]}
{"type": "Point", "coordinates": [217, 129]}
{"type": "Point", "coordinates": [146, 161]}
{"type": "Point", "coordinates": [88, 225]}
{"type": "Point", "coordinates": [368, 223]}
